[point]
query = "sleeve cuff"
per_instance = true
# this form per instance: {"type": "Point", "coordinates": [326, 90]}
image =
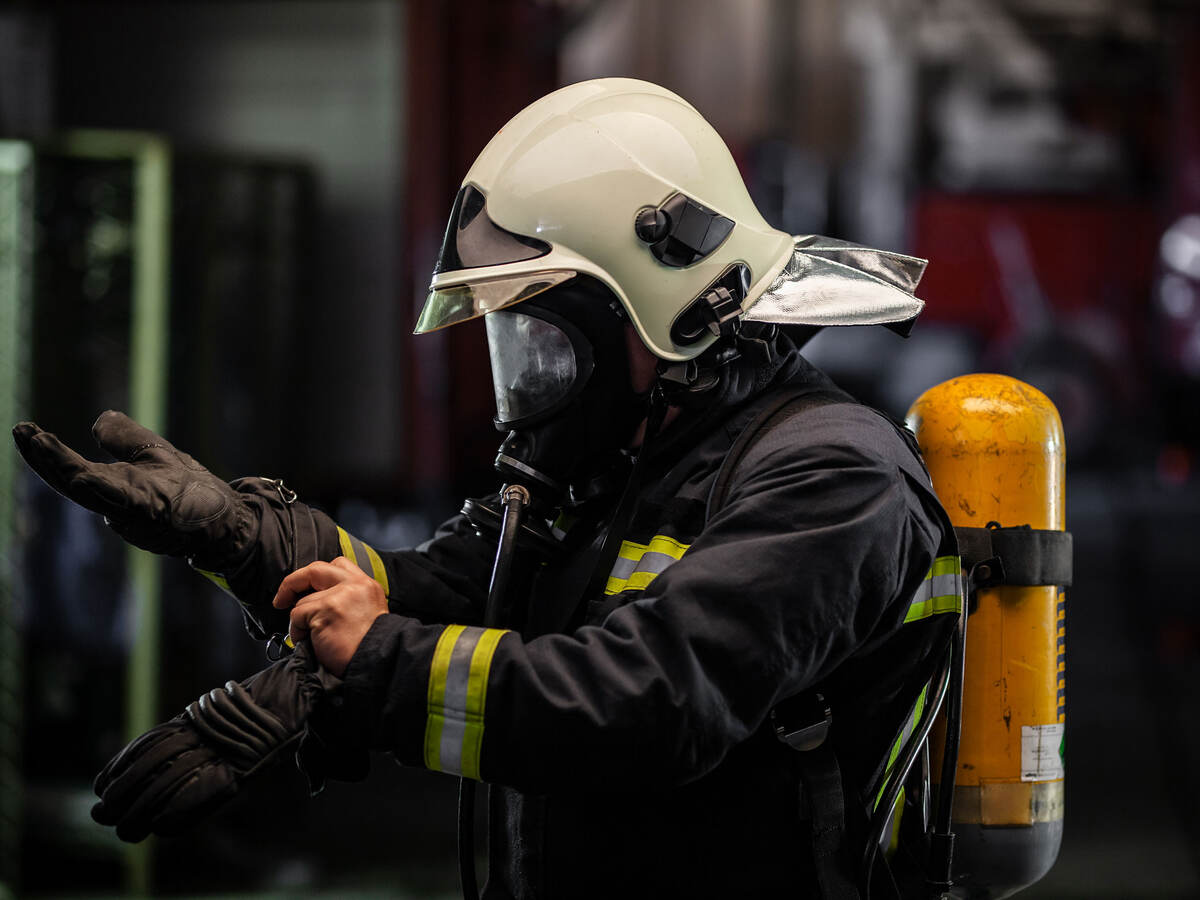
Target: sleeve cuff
{"type": "Point", "coordinates": [385, 686]}
{"type": "Point", "coordinates": [421, 691]}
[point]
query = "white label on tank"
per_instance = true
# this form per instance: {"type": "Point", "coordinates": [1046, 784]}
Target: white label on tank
{"type": "Point", "coordinates": [1041, 752]}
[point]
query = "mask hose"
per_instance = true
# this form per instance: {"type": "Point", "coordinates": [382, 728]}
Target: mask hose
{"type": "Point", "coordinates": [516, 498]}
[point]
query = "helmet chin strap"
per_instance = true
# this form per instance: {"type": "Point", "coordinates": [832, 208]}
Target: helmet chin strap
{"type": "Point", "coordinates": [689, 383]}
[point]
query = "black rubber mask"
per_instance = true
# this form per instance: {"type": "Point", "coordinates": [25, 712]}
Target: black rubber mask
{"type": "Point", "coordinates": [560, 371]}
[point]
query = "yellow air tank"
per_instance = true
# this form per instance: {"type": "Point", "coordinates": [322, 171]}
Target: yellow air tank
{"type": "Point", "coordinates": [994, 448]}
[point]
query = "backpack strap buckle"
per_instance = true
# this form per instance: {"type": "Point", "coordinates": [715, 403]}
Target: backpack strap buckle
{"type": "Point", "coordinates": [802, 722]}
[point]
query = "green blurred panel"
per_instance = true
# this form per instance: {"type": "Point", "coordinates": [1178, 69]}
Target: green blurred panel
{"type": "Point", "coordinates": [168, 285]}
{"type": "Point", "coordinates": [150, 157]}
{"type": "Point", "coordinates": [99, 340]}
{"type": "Point", "coordinates": [16, 228]}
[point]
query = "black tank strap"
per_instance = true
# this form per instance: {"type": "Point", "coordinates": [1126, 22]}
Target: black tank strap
{"type": "Point", "coordinates": [826, 807]}
{"type": "Point", "coordinates": [1017, 555]}
{"type": "Point", "coordinates": [835, 825]}
{"type": "Point", "coordinates": [823, 798]}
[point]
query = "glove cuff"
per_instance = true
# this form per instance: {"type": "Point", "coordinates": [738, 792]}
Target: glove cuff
{"type": "Point", "coordinates": [275, 535]}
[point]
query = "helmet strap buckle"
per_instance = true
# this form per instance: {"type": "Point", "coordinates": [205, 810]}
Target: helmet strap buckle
{"type": "Point", "coordinates": [716, 310]}
{"type": "Point", "coordinates": [724, 311]}
{"type": "Point", "coordinates": [679, 375]}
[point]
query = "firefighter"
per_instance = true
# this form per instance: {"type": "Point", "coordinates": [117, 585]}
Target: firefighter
{"type": "Point", "coordinates": [715, 531]}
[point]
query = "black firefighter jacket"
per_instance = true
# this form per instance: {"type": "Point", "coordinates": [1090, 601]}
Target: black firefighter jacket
{"type": "Point", "coordinates": [631, 755]}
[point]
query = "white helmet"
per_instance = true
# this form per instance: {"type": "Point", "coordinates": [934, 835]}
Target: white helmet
{"type": "Point", "coordinates": [624, 181]}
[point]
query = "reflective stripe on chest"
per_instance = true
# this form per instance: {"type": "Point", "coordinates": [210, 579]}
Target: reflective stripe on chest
{"type": "Point", "coordinates": [639, 564]}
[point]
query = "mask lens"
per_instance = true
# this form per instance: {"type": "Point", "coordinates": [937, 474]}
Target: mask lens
{"type": "Point", "coordinates": [533, 365]}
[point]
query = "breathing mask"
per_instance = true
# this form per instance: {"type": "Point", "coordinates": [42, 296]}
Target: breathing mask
{"type": "Point", "coordinates": [560, 372]}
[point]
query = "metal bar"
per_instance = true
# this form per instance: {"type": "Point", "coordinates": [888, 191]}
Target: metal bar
{"type": "Point", "coordinates": [149, 316]}
{"type": "Point", "coordinates": [147, 404]}
{"type": "Point", "coordinates": [16, 204]}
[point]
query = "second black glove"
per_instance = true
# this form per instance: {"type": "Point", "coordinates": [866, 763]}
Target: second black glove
{"type": "Point", "coordinates": [178, 773]}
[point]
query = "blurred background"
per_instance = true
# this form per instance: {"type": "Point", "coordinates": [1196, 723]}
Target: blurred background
{"type": "Point", "coordinates": [222, 216]}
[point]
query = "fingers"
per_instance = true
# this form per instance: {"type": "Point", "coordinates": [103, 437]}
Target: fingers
{"type": "Point", "coordinates": [74, 477]}
{"type": "Point", "coordinates": [49, 462]}
{"type": "Point", "coordinates": [345, 565]}
{"type": "Point", "coordinates": [335, 622]}
{"type": "Point", "coordinates": [338, 609]}
{"type": "Point", "coordinates": [194, 802]}
{"type": "Point", "coordinates": [300, 623]}
{"type": "Point", "coordinates": [316, 576]}
{"type": "Point", "coordinates": [312, 613]}
{"type": "Point", "coordinates": [150, 745]}
{"type": "Point", "coordinates": [122, 436]}
{"type": "Point", "coordinates": [144, 768]}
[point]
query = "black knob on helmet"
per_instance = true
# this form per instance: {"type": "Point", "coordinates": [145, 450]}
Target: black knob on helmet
{"type": "Point", "coordinates": [651, 224]}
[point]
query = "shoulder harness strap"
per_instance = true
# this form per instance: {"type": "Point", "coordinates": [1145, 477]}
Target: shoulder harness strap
{"type": "Point", "coordinates": [803, 722]}
{"type": "Point", "coordinates": [788, 401]}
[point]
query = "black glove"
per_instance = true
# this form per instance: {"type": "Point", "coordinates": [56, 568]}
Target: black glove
{"type": "Point", "coordinates": [176, 774]}
{"type": "Point", "coordinates": [155, 496]}
{"type": "Point", "coordinates": [250, 531]}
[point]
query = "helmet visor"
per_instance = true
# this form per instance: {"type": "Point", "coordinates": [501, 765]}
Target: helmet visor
{"type": "Point", "coordinates": [473, 240]}
{"type": "Point", "coordinates": [535, 367]}
{"type": "Point", "coordinates": [460, 302]}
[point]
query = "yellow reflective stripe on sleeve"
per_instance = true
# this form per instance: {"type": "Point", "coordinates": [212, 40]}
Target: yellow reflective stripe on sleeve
{"type": "Point", "coordinates": [364, 556]}
{"type": "Point", "coordinates": [481, 668]}
{"type": "Point", "coordinates": [457, 698]}
{"type": "Point", "coordinates": [346, 545]}
{"type": "Point", "coordinates": [218, 579]}
{"type": "Point", "coordinates": [638, 581]}
{"type": "Point", "coordinates": [940, 592]}
{"type": "Point", "coordinates": [663, 544]}
{"type": "Point", "coordinates": [437, 692]}
{"type": "Point", "coordinates": [639, 564]}
{"type": "Point", "coordinates": [378, 572]}
{"type": "Point", "coordinates": [946, 565]}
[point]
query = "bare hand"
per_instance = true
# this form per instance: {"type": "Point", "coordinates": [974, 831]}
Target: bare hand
{"type": "Point", "coordinates": [338, 612]}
